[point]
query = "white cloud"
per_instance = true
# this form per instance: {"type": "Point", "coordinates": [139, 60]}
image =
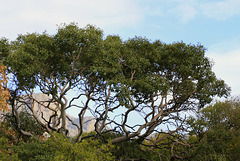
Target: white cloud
{"type": "Point", "coordinates": [185, 12]}
{"type": "Point", "coordinates": [227, 67]}
{"type": "Point", "coordinates": [220, 10]}
{"type": "Point", "coordinates": [28, 15]}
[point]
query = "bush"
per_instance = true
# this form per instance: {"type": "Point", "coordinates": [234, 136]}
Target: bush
{"type": "Point", "coordinates": [59, 147]}
{"type": "Point", "coordinates": [6, 153]}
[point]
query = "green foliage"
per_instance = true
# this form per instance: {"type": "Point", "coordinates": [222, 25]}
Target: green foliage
{"type": "Point", "coordinates": [59, 147]}
{"type": "Point", "coordinates": [137, 64]}
{"type": "Point", "coordinates": [7, 133]}
{"type": "Point", "coordinates": [4, 50]}
{"type": "Point", "coordinates": [133, 150]}
{"type": "Point", "coordinates": [5, 152]}
{"type": "Point", "coordinates": [47, 56]}
{"type": "Point", "coordinates": [27, 123]}
{"type": "Point", "coordinates": [130, 150]}
{"type": "Point", "coordinates": [158, 79]}
{"type": "Point", "coordinates": [162, 68]}
{"type": "Point", "coordinates": [216, 131]}
{"type": "Point", "coordinates": [89, 149]}
{"type": "Point", "coordinates": [167, 146]}
{"type": "Point", "coordinates": [34, 149]}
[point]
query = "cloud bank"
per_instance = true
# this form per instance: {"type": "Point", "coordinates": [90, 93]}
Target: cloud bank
{"type": "Point", "coordinates": [221, 10]}
{"type": "Point", "coordinates": [227, 67]}
{"type": "Point", "coordinates": [187, 10]}
{"type": "Point", "coordinates": [34, 15]}
{"type": "Point", "coordinates": [29, 15]}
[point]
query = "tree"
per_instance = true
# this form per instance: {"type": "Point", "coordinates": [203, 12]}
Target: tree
{"type": "Point", "coordinates": [169, 146]}
{"type": "Point", "coordinates": [4, 94]}
{"type": "Point", "coordinates": [4, 50]}
{"type": "Point", "coordinates": [28, 123]}
{"type": "Point", "coordinates": [113, 80]}
{"type": "Point", "coordinates": [216, 131]}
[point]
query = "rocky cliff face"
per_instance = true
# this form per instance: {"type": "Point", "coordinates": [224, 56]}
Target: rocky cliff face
{"type": "Point", "coordinates": [88, 125]}
{"type": "Point", "coordinates": [38, 107]}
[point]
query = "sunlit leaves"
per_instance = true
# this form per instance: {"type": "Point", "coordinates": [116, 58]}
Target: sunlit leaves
{"type": "Point", "coordinates": [4, 93]}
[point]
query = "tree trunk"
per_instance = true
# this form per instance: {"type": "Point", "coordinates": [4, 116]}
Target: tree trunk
{"type": "Point", "coordinates": [63, 117]}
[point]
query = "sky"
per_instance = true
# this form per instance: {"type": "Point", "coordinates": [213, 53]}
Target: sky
{"type": "Point", "coordinates": [212, 23]}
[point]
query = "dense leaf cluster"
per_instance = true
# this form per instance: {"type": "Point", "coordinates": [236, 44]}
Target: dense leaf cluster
{"type": "Point", "coordinates": [216, 131]}
{"type": "Point", "coordinates": [138, 92]}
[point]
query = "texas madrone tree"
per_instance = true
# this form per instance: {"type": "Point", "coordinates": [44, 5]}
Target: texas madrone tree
{"type": "Point", "coordinates": [134, 88]}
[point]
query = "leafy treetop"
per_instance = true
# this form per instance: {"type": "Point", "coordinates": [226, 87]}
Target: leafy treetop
{"type": "Point", "coordinates": [152, 79]}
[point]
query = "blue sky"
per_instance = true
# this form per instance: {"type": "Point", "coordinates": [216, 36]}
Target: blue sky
{"type": "Point", "coordinates": [213, 23]}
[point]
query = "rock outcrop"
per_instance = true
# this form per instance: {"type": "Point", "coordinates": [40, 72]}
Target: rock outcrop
{"type": "Point", "coordinates": [45, 113]}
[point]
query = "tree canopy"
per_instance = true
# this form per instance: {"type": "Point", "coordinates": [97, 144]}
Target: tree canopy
{"type": "Point", "coordinates": [216, 131]}
{"type": "Point", "coordinates": [115, 81]}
